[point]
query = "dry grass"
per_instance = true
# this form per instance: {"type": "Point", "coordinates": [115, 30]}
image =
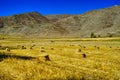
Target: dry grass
{"type": "Point", "coordinates": [66, 59]}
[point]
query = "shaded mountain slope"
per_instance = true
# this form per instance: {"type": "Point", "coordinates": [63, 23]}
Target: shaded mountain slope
{"type": "Point", "coordinates": [30, 25]}
{"type": "Point", "coordinates": [1, 23]}
{"type": "Point", "coordinates": [24, 19]}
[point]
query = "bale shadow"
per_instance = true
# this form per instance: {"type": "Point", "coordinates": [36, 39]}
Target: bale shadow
{"type": "Point", "coordinates": [5, 56]}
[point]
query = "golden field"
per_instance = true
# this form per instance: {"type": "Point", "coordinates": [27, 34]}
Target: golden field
{"type": "Point", "coordinates": [24, 59]}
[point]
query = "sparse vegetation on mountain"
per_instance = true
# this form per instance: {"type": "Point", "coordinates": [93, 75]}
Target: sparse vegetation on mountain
{"type": "Point", "coordinates": [109, 35]}
{"type": "Point", "coordinates": [92, 35]}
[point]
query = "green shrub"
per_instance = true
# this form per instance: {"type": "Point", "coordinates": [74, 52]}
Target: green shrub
{"type": "Point", "coordinates": [92, 35]}
{"type": "Point", "coordinates": [109, 35]}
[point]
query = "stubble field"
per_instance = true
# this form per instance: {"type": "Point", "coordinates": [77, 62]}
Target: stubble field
{"type": "Point", "coordinates": [67, 59]}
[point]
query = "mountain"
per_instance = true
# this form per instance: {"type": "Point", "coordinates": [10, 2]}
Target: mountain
{"type": "Point", "coordinates": [54, 18]}
{"type": "Point", "coordinates": [1, 23]}
{"type": "Point", "coordinates": [24, 19]}
{"type": "Point", "coordinates": [104, 22]}
{"type": "Point", "coordinates": [30, 24]}
{"type": "Point", "coordinates": [101, 23]}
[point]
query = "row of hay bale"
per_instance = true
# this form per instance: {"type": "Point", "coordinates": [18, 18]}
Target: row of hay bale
{"type": "Point", "coordinates": [97, 47]}
{"type": "Point", "coordinates": [17, 47]}
{"type": "Point", "coordinates": [23, 47]}
{"type": "Point", "coordinates": [79, 51]}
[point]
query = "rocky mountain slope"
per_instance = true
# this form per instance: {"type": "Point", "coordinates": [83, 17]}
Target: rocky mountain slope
{"type": "Point", "coordinates": [54, 18]}
{"type": "Point", "coordinates": [104, 22]}
{"type": "Point", "coordinates": [1, 24]}
{"type": "Point", "coordinates": [29, 25]}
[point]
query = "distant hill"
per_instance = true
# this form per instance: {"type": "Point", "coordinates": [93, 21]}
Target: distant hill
{"type": "Point", "coordinates": [30, 24]}
{"type": "Point", "coordinates": [101, 23]}
{"type": "Point", "coordinates": [104, 22]}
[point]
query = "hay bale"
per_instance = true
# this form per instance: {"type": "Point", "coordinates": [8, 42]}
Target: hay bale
{"type": "Point", "coordinates": [47, 58]}
{"type": "Point", "coordinates": [84, 55]}
{"type": "Point", "coordinates": [7, 49]}
{"type": "Point", "coordinates": [71, 45]}
{"type": "Point", "coordinates": [23, 47]}
{"type": "Point", "coordinates": [31, 47]}
{"type": "Point", "coordinates": [52, 48]}
{"type": "Point", "coordinates": [98, 47]}
{"type": "Point", "coordinates": [84, 47]}
{"type": "Point", "coordinates": [61, 49]}
{"type": "Point", "coordinates": [79, 50]}
{"type": "Point", "coordinates": [1, 59]}
{"type": "Point", "coordinates": [79, 45]}
{"type": "Point", "coordinates": [42, 50]}
{"type": "Point", "coordinates": [43, 58]}
{"type": "Point", "coordinates": [95, 46]}
{"type": "Point", "coordinates": [52, 41]}
{"type": "Point", "coordinates": [18, 46]}
{"type": "Point", "coordinates": [110, 47]}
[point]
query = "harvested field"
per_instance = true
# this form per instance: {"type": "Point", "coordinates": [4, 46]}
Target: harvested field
{"type": "Point", "coordinates": [74, 59]}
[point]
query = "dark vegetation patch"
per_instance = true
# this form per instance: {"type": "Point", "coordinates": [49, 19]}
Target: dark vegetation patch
{"type": "Point", "coordinates": [4, 47]}
{"type": "Point", "coordinates": [5, 56]}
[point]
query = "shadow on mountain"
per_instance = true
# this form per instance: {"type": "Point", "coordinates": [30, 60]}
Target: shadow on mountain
{"type": "Point", "coordinates": [5, 56]}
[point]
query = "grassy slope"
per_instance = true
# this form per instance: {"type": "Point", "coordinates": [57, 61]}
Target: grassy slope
{"type": "Point", "coordinates": [66, 62]}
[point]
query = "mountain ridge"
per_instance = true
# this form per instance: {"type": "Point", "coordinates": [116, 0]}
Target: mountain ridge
{"type": "Point", "coordinates": [30, 24]}
{"type": "Point", "coordinates": [103, 22]}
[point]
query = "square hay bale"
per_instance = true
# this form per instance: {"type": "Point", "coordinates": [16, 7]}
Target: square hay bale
{"type": "Point", "coordinates": [43, 58]}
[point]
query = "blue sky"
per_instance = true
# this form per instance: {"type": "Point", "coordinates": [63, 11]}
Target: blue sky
{"type": "Point", "coordinates": [45, 7]}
